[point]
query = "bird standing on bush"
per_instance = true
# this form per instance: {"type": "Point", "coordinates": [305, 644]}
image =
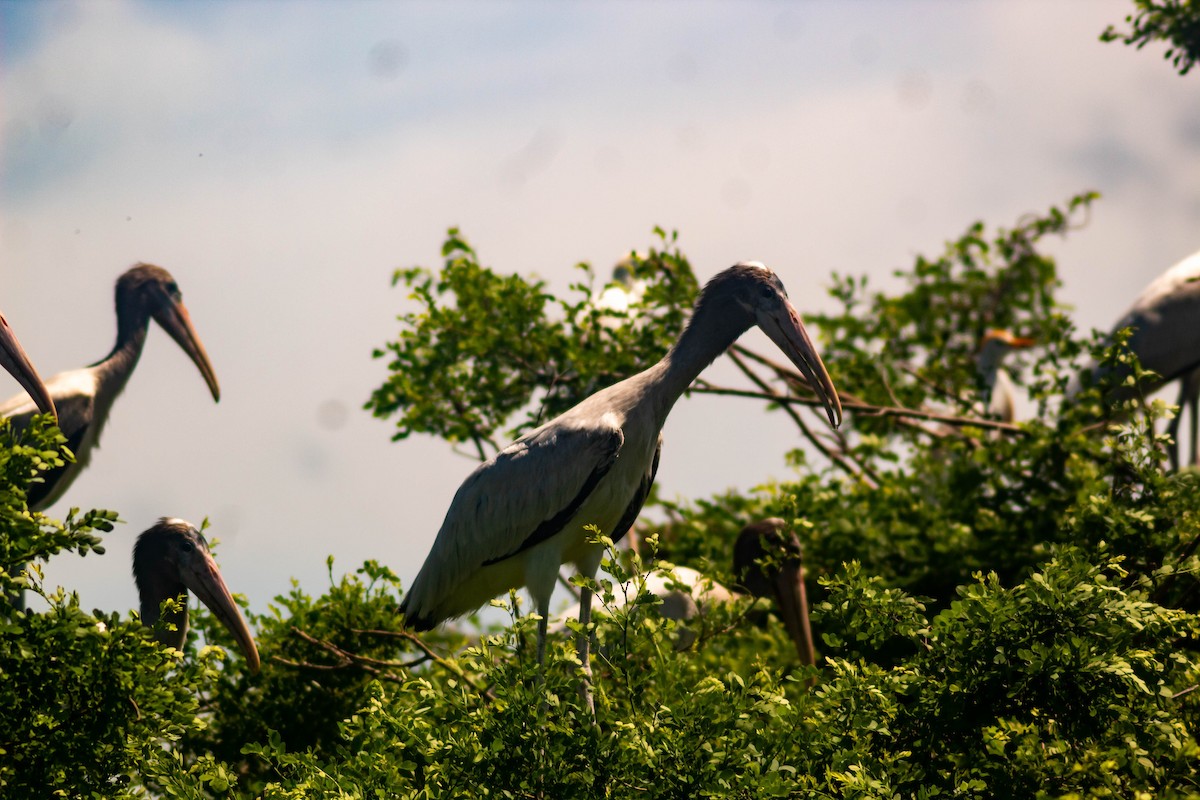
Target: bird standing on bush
{"type": "Point", "coordinates": [523, 513]}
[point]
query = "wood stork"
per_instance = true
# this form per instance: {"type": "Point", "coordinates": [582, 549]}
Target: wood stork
{"type": "Point", "coordinates": [767, 563]}
{"type": "Point", "coordinates": [1165, 320]}
{"type": "Point", "coordinates": [999, 396]}
{"type": "Point", "coordinates": [14, 360]}
{"type": "Point", "coordinates": [169, 559]}
{"type": "Point", "coordinates": [85, 396]}
{"type": "Point", "coordinates": [521, 514]}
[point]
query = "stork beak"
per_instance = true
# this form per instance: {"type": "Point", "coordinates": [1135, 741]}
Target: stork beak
{"type": "Point", "coordinates": [205, 580]}
{"type": "Point", "coordinates": [787, 331]}
{"type": "Point", "coordinates": [792, 600]}
{"type": "Point", "coordinates": [174, 318]}
{"type": "Point", "coordinates": [13, 359]}
{"type": "Point", "coordinates": [1010, 339]}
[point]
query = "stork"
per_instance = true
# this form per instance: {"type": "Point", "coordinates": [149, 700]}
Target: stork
{"type": "Point", "coordinates": [85, 396]}
{"type": "Point", "coordinates": [17, 364]}
{"type": "Point", "coordinates": [1165, 320]}
{"type": "Point", "coordinates": [766, 562]}
{"type": "Point", "coordinates": [522, 514]}
{"type": "Point", "coordinates": [998, 393]}
{"type": "Point", "coordinates": [169, 559]}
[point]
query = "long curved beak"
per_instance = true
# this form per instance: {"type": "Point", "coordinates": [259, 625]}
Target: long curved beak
{"type": "Point", "coordinates": [205, 580]}
{"type": "Point", "coordinates": [787, 331]}
{"type": "Point", "coordinates": [174, 318]}
{"type": "Point", "coordinates": [13, 359]}
{"type": "Point", "coordinates": [792, 600]}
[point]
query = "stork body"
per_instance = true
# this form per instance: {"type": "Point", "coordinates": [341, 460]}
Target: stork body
{"type": "Point", "coordinates": [1165, 320]}
{"type": "Point", "coordinates": [169, 559]}
{"type": "Point", "coordinates": [84, 397]}
{"type": "Point", "coordinates": [523, 513]}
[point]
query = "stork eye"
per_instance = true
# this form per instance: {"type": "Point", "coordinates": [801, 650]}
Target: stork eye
{"type": "Point", "coordinates": [187, 546]}
{"type": "Point", "coordinates": [766, 292]}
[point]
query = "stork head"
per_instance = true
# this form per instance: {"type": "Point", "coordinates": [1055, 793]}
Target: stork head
{"type": "Point", "coordinates": [14, 360]}
{"type": "Point", "coordinates": [168, 560]}
{"type": "Point", "coordinates": [768, 560]}
{"type": "Point", "coordinates": [759, 295]}
{"type": "Point", "coordinates": [146, 291]}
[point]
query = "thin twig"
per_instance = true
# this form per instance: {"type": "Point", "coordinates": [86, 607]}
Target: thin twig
{"type": "Point", "coordinates": [859, 471]}
{"type": "Point", "coordinates": [868, 409]}
{"type": "Point", "coordinates": [441, 662]}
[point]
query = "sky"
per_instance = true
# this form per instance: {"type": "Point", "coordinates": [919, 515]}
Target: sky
{"type": "Point", "coordinates": [281, 159]}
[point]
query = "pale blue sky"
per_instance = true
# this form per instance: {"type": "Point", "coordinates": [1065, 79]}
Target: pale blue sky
{"type": "Point", "coordinates": [282, 158]}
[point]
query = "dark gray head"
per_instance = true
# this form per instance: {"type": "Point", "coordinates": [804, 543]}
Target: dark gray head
{"type": "Point", "coordinates": [146, 291]}
{"type": "Point", "coordinates": [769, 562]}
{"type": "Point", "coordinates": [169, 559]}
{"type": "Point", "coordinates": [748, 293]}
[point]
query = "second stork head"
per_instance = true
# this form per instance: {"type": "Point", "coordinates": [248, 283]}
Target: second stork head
{"type": "Point", "coordinates": [171, 558]}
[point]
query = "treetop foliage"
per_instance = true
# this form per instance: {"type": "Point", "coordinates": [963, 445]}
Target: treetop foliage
{"type": "Point", "coordinates": [1174, 21]}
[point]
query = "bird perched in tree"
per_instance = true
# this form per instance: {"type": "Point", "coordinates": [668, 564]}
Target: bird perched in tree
{"type": "Point", "coordinates": [1165, 320]}
{"type": "Point", "coordinates": [84, 397]}
{"type": "Point", "coordinates": [171, 558]}
{"type": "Point", "coordinates": [767, 561]}
{"type": "Point", "coordinates": [524, 512]}
{"type": "Point", "coordinates": [999, 396]}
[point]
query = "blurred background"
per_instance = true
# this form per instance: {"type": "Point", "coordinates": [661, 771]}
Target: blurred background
{"type": "Point", "coordinates": [281, 159]}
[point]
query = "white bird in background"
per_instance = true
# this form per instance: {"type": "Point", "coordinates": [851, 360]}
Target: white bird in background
{"type": "Point", "coordinates": [521, 514]}
{"type": "Point", "coordinates": [999, 394]}
{"type": "Point", "coordinates": [85, 396]}
{"type": "Point", "coordinates": [169, 559]}
{"type": "Point", "coordinates": [1165, 320]}
{"type": "Point", "coordinates": [17, 364]}
{"type": "Point", "coordinates": [767, 563]}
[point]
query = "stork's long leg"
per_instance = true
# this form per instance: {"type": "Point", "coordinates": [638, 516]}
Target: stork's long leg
{"type": "Point", "coordinates": [583, 644]}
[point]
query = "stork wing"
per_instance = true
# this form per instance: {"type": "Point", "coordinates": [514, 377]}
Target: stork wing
{"type": "Point", "coordinates": [519, 498]}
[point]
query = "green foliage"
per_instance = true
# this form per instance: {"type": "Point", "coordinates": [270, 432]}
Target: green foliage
{"type": "Point", "coordinates": [87, 700]}
{"type": "Point", "coordinates": [1002, 609]}
{"type": "Point", "coordinates": [483, 346]}
{"type": "Point", "coordinates": [1173, 21]}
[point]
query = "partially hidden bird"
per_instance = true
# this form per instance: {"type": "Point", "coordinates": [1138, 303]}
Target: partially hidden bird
{"type": "Point", "coordinates": [17, 364]}
{"type": "Point", "coordinates": [171, 558]}
{"type": "Point", "coordinates": [1165, 320]}
{"type": "Point", "coordinates": [767, 562]}
{"type": "Point", "coordinates": [526, 511]}
{"type": "Point", "coordinates": [84, 397]}
{"type": "Point", "coordinates": [999, 396]}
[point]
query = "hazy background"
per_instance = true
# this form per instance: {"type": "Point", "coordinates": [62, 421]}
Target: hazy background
{"type": "Point", "coordinates": [282, 158]}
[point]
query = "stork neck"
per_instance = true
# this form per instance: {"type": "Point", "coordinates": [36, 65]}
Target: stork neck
{"type": "Point", "coordinates": [117, 366]}
{"type": "Point", "coordinates": [713, 329]}
{"type": "Point", "coordinates": [152, 600]}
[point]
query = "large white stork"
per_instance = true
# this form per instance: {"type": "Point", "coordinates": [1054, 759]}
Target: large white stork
{"type": "Point", "coordinates": [17, 364]}
{"type": "Point", "coordinates": [169, 559]}
{"type": "Point", "coordinates": [521, 514]}
{"type": "Point", "coordinates": [767, 563]}
{"type": "Point", "coordinates": [85, 396]}
{"type": "Point", "coordinates": [1165, 320]}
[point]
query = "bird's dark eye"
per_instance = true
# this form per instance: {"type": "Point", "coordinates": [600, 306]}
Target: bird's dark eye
{"type": "Point", "coordinates": [187, 546]}
{"type": "Point", "coordinates": [766, 292]}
